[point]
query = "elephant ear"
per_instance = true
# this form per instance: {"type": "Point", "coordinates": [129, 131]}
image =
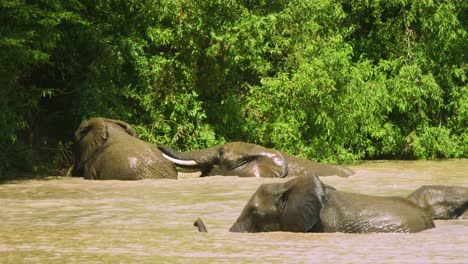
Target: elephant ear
{"type": "Point", "coordinates": [302, 200]}
{"type": "Point", "coordinates": [251, 160]}
{"type": "Point", "coordinates": [124, 125]}
{"type": "Point", "coordinates": [89, 137]}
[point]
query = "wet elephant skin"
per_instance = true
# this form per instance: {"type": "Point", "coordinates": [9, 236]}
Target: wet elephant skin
{"type": "Point", "coordinates": [107, 149]}
{"type": "Point", "coordinates": [442, 201]}
{"type": "Point", "coordinates": [304, 204]}
{"type": "Point", "coordinates": [251, 160]}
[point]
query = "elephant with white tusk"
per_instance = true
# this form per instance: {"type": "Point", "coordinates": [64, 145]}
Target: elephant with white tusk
{"type": "Point", "coordinates": [250, 160]}
{"type": "Point", "coordinates": [107, 149]}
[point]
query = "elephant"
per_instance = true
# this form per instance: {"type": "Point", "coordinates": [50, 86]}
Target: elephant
{"type": "Point", "coordinates": [441, 201]}
{"type": "Point", "coordinates": [107, 149]}
{"type": "Point", "coordinates": [250, 160]}
{"type": "Point", "coordinates": [305, 204]}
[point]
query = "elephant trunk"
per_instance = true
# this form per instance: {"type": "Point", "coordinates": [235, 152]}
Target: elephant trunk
{"type": "Point", "coordinates": [200, 225]}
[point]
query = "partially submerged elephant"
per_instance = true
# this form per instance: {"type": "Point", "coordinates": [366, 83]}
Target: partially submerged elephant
{"type": "Point", "coordinates": [107, 149]}
{"type": "Point", "coordinates": [304, 204]}
{"type": "Point", "coordinates": [251, 160]}
{"type": "Point", "coordinates": [442, 202]}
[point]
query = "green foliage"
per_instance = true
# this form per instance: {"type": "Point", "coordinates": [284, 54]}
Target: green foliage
{"type": "Point", "coordinates": [336, 81]}
{"type": "Point", "coordinates": [64, 154]}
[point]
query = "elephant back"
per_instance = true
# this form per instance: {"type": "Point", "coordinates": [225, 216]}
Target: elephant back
{"type": "Point", "coordinates": [359, 213]}
{"type": "Point", "coordinates": [131, 159]}
{"type": "Point", "coordinates": [111, 149]}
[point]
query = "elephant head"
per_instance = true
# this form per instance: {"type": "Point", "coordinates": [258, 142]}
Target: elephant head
{"type": "Point", "coordinates": [110, 149]}
{"type": "Point", "coordinates": [441, 201]}
{"type": "Point", "coordinates": [304, 204]}
{"type": "Point", "coordinates": [232, 159]}
{"type": "Point", "coordinates": [293, 206]}
{"type": "Point", "coordinates": [91, 136]}
{"type": "Point", "coordinates": [250, 160]}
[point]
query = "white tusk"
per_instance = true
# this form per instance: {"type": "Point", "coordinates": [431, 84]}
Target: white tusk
{"type": "Point", "coordinates": [180, 162]}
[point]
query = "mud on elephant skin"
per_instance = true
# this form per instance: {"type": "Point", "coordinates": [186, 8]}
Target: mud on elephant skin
{"type": "Point", "coordinates": [441, 201]}
{"type": "Point", "coordinates": [107, 149]}
{"type": "Point", "coordinates": [304, 204]}
{"type": "Point", "coordinates": [251, 160]}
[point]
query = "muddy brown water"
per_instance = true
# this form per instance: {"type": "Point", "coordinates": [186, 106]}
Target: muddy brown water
{"type": "Point", "coordinates": [72, 220]}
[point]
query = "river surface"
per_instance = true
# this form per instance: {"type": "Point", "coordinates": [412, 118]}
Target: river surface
{"type": "Point", "coordinates": [72, 220]}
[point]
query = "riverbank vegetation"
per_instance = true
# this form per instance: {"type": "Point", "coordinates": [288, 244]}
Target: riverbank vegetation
{"type": "Point", "coordinates": [335, 81]}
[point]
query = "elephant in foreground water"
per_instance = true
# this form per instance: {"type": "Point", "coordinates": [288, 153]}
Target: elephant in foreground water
{"type": "Point", "coordinates": [304, 204]}
{"type": "Point", "coordinates": [442, 202]}
{"type": "Point", "coordinates": [251, 160]}
{"type": "Point", "coordinates": [107, 149]}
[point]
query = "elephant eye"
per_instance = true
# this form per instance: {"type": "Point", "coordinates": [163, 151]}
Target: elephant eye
{"type": "Point", "coordinates": [255, 212]}
{"type": "Point", "coordinates": [259, 215]}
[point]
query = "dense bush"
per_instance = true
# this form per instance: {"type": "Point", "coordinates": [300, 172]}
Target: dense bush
{"type": "Point", "coordinates": [329, 80]}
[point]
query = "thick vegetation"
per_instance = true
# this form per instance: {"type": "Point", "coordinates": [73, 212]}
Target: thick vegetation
{"type": "Point", "coordinates": [336, 81]}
